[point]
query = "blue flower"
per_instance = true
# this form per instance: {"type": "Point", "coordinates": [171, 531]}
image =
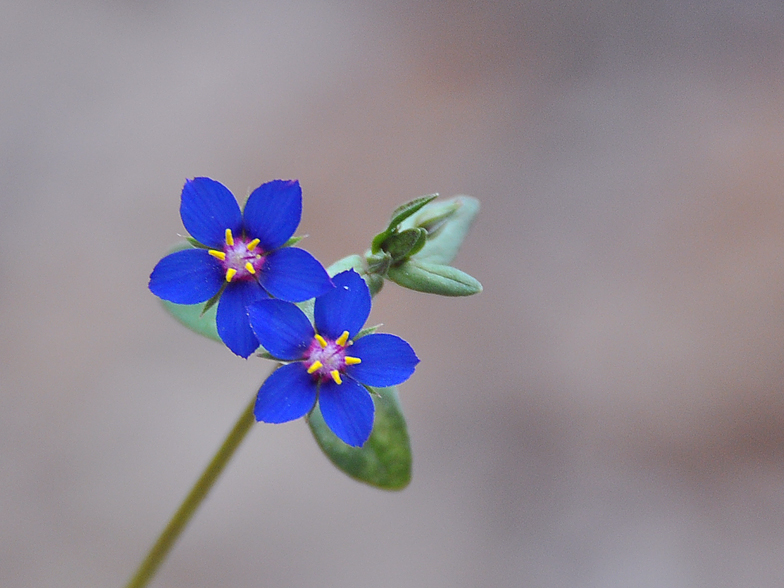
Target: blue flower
{"type": "Point", "coordinates": [242, 258]}
{"type": "Point", "coordinates": [329, 363]}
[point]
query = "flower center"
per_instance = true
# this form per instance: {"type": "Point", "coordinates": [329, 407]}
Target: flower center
{"type": "Point", "coordinates": [240, 258]}
{"type": "Point", "coordinates": [327, 360]}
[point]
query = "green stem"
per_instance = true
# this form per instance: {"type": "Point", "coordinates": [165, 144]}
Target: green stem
{"type": "Point", "coordinates": [163, 545]}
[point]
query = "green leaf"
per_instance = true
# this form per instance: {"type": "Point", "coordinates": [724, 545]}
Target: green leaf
{"type": "Point", "coordinates": [378, 241]}
{"type": "Point", "coordinates": [404, 211]}
{"type": "Point", "coordinates": [198, 320]}
{"type": "Point", "coordinates": [191, 316]}
{"type": "Point", "coordinates": [384, 460]}
{"type": "Point", "coordinates": [447, 223]}
{"type": "Point", "coordinates": [434, 278]}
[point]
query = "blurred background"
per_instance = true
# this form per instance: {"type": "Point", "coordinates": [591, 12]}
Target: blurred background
{"type": "Point", "coordinates": [608, 412]}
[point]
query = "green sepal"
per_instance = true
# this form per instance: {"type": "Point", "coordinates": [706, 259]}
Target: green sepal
{"type": "Point", "coordinates": [384, 461]}
{"type": "Point", "coordinates": [434, 278]}
{"type": "Point", "coordinates": [196, 244]}
{"type": "Point", "coordinates": [405, 243]}
{"type": "Point", "coordinates": [447, 223]}
{"type": "Point", "coordinates": [212, 301]}
{"type": "Point", "coordinates": [293, 241]}
{"type": "Point", "coordinates": [367, 331]}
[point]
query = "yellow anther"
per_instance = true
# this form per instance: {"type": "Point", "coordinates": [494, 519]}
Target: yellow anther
{"type": "Point", "coordinates": [352, 360]}
{"type": "Point", "coordinates": [230, 273]}
{"type": "Point", "coordinates": [342, 339]}
{"type": "Point", "coordinates": [252, 244]}
{"type": "Point", "coordinates": [219, 254]}
{"type": "Point", "coordinates": [336, 376]}
{"type": "Point", "coordinates": [229, 238]}
{"type": "Point", "coordinates": [316, 365]}
{"type": "Point", "coordinates": [321, 341]}
{"type": "Point", "coordinates": [250, 268]}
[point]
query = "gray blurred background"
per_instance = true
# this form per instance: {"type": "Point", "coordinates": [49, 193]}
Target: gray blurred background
{"type": "Point", "coordinates": [608, 412]}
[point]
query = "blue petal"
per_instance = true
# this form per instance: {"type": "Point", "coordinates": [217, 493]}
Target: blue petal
{"type": "Point", "coordinates": [232, 317]}
{"type": "Point", "coordinates": [187, 277]}
{"type": "Point", "coordinates": [287, 394]}
{"type": "Point", "coordinates": [272, 212]}
{"type": "Point", "coordinates": [387, 360]}
{"type": "Point", "coordinates": [293, 275]}
{"type": "Point", "coordinates": [345, 308]}
{"type": "Point", "coordinates": [348, 410]}
{"type": "Point", "coordinates": [281, 328]}
{"type": "Point", "coordinates": [207, 209]}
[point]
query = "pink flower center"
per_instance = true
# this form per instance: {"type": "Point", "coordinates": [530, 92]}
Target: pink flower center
{"type": "Point", "coordinates": [240, 258]}
{"type": "Point", "coordinates": [326, 359]}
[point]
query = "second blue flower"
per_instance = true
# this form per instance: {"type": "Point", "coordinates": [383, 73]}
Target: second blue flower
{"type": "Point", "coordinates": [331, 364]}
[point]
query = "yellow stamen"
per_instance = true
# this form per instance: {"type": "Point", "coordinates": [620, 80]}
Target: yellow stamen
{"type": "Point", "coordinates": [250, 268]}
{"type": "Point", "coordinates": [342, 339]}
{"type": "Point", "coordinates": [321, 341]}
{"type": "Point", "coordinates": [230, 273]}
{"type": "Point", "coordinates": [336, 376]}
{"type": "Point", "coordinates": [218, 254]}
{"type": "Point", "coordinates": [252, 244]}
{"type": "Point", "coordinates": [352, 360]}
{"type": "Point", "coordinates": [229, 238]}
{"type": "Point", "coordinates": [316, 365]}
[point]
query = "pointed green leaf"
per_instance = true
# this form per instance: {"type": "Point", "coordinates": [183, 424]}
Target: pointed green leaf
{"type": "Point", "coordinates": [404, 211]}
{"type": "Point", "coordinates": [447, 223]}
{"type": "Point", "coordinates": [434, 278]}
{"type": "Point", "coordinates": [384, 460]}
